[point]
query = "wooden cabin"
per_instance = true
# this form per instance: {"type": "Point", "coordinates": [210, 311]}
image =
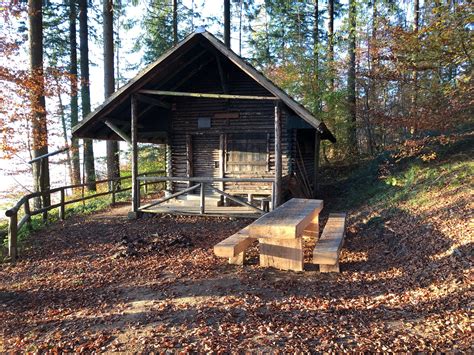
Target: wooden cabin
{"type": "Point", "coordinates": [220, 119]}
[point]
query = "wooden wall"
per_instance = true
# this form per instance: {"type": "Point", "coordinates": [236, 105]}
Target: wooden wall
{"type": "Point", "coordinates": [227, 117]}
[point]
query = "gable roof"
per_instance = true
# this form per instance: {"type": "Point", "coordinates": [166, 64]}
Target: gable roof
{"type": "Point", "coordinates": [163, 63]}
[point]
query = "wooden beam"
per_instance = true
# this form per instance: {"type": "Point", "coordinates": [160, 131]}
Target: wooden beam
{"type": "Point", "coordinates": [117, 130]}
{"type": "Point", "coordinates": [236, 199]}
{"type": "Point", "coordinates": [153, 101]}
{"type": "Point", "coordinates": [164, 199]}
{"type": "Point", "coordinates": [222, 160]}
{"type": "Point", "coordinates": [278, 159]}
{"type": "Point", "coordinates": [134, 134]}
{"type": "Point", "coordinates": [206, 95]}
{"type": "Point", "coordinates": [189, 157]}
{"type": "Point", "coordinates": [169, 165]}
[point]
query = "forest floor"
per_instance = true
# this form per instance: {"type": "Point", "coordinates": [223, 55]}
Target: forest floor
{"type": "Point", "coordinates": [105, 283]}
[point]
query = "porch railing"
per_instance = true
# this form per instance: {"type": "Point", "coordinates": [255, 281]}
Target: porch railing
{"type": "Point", "coordinates": [201, 183]}
{"type": "Point", "coordinates": [15, 225]}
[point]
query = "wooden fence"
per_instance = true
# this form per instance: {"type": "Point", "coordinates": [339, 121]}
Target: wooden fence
{"type": "Point", "coordinates": [14, 225]}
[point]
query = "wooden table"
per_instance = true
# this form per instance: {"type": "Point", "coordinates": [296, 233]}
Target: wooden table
{"type": "Point", "coordinates": [280, 232]}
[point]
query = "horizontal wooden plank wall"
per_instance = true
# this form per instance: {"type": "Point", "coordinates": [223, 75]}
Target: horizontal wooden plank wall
{"type": "Point", "coordinates": [253, 117]}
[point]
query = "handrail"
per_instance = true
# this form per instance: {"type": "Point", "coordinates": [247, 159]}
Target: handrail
{"type": "Point", "coordinates": [202, 182]}
{"type": "Point", "coordinates": [18, 205]}
{"type": "Point", "coordinates": [14, 225]}
{"type": "Point", "coordinates": [202, 179]}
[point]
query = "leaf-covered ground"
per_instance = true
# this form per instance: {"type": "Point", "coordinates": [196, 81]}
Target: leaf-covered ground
{"type": "Point", "coordinates": [106, 283]}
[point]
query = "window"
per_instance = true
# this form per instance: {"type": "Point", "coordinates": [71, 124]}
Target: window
{"type": "Point", "coordinates": [248, 152]}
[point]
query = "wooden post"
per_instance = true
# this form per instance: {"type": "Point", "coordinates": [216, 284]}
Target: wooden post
{"type": "Point", "coordinates": [62, 207]}
{"type": "Point", "coordinates": [317, 141]}
{"type": "Point", "coordinates": [26, 206]}
{"type": "Point", "coordinates": [135, 183]}
{"type": "Point", "coordinates": [189, 157]}
{"type": "Point", "coordinates": [145, 187]}
{"type": "Point", "coordinates": [273, 195]}
{"type": "Point", "coordinates": [202, 204]}
{"type": "Point", "coordinates": [222, 160]}
{"type": "Point", "coordinates": [278, 160]}
{"type": "Point", "coordinates": [12, 236]}
{"type": "Point", "coordinates": [114, 186]}
{"type": "Point", "coordinates": [45, 213]}
{"type": "Point", "coordinates": [169, 171]}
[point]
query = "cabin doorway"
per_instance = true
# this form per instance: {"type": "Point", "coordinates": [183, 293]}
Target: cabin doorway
{"type": "Point", "coordinates": [206, 157]}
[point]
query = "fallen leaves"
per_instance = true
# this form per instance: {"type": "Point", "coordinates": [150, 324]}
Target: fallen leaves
{"type": "Point", "coordinates": [155, 285]}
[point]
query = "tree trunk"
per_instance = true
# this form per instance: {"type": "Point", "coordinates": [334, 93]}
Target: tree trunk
{"type": "Point", "coordinates": [76, 165]}
{"type": "Point", "coordinates": [414, 98]}
{"type": "Point", "coordinates": [372, 62]}
{"type": "Point", "coordinates": [113, 157]}
{"type": "Point", "coordinates": [85, 94]}
{"type": "Point", "coordinates": [38, 105]}
{"type": "Point", "coordinates": [62, 115]}
{"type": "Point", "coordinates": [175, 22]}
{"type": "Point", "coordinates": [351, 80]}
{"type": "Point", "coordinates": [227, 23]}
{"type": "Point", "coordinates": [331, 43]}
{"type": "Point", "coordinates": [316, 53]}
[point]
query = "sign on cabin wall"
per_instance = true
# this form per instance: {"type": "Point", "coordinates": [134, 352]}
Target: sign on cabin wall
{"type": "Point", "coordinates": [204, 122]}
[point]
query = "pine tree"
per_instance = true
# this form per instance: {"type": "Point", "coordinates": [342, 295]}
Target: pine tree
{"type": "Point", "coordinates": [113, 158]}
{"type": "Point", "coordinates": [39, 126]}
{"type": "Point", "coordinates": [89, 165]}
{"type": "Point", "coordinates": [76, 167]}
{"type": "Point", "coordinates": [351, 79]}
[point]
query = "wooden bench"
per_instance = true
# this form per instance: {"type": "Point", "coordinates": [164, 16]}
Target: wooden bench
{"type": "Point", "coordinates": [234, 247]}
{"type": "Point", "coordinates": [328, 248]}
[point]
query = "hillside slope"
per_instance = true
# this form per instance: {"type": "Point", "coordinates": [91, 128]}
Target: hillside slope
{"type": "Point", "coordinates": [102, 282]}
{"type": "Point", "coordinates": [412, 222]}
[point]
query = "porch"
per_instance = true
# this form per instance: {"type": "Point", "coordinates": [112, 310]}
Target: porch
{"type": "Point", "coordinates": [203, 198]}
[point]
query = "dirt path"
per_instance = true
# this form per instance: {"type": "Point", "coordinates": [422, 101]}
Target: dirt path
{"type": "Point", "coordinates": [105, 283]}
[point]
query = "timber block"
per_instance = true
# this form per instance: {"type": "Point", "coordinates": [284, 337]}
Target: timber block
{"type": "Point", "coordinates": [329, 268]}
{"type": "Point", "coordinates": [134, 215]}
{"type": "Point", "coordinates": [312, 231]}
{"type": "Point", "coordinates": [283, 254]}
{"type": "Point", "coordinates": [234, 247]}
{"type": "Point", "coordinates": [237, 260]}
{"type": "Point", "coordinates": [327, 250]}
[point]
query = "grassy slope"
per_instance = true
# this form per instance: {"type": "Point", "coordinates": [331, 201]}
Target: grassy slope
{"type": "Point", "coordinates": [411, 214]}
{"type": "Point", "coordinates": [409, 176]}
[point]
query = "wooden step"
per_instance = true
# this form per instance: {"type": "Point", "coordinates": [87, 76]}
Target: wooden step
{"type": "Point", "coordinates": [328, 248]}
{"type": "Point", "coordinates": [234, 246]}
